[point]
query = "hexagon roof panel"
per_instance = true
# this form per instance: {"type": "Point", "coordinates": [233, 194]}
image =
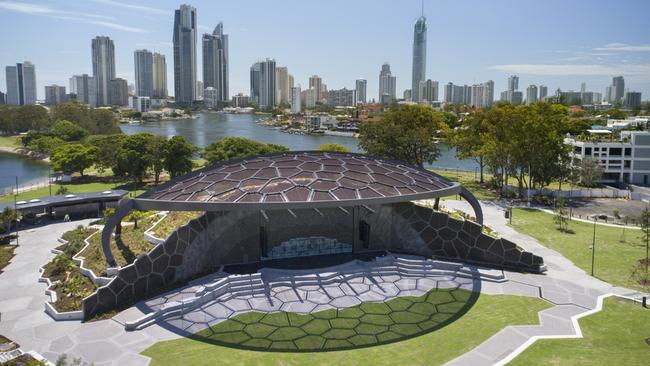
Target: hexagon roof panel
{"type": "Point", "coordinates": [301, 178]}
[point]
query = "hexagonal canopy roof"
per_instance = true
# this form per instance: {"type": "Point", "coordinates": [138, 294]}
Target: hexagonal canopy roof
{"type": "Point", "coordinates": [302, 179]}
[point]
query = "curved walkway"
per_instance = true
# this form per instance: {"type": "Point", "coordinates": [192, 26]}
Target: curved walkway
{"type": "Point", "coordinates": [106, 342]}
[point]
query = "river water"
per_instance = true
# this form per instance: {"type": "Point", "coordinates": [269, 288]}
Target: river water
{"type": "Point", "coordinates": [205, 129]}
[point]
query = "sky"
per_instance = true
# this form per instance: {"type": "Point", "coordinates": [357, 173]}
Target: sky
{"type": "Point", "coordinates": [557, 43]}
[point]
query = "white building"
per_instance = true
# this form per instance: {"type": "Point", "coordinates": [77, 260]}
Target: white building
{"type": "Point", "coordinates": [296, 106]}
{"type": "Point", "coordinates": [211, 97]}
{"type": "Point", "coordinates": [361, 86]}
{"type": "Point", "coordinates": [624, 160]}
{"type": "Point", "coordinates": [21, 83]}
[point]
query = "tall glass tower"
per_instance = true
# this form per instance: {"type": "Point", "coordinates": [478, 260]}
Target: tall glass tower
{"type": "Point", "coordinates": [419, 56]}
{"type": "Point", "coordinates": [185, 54]}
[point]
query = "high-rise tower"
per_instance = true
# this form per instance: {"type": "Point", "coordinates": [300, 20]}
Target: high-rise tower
{"type": "Point", "coordinates": [103, 51]}
{"type": "Point", "coordinates": [185, 54]}
{"type": "Point", "coordinates": [215, 62]}
{"type": "Point", "coordinates": [419, 56]}
{"type": "Point", "coordinates": [143, 73]}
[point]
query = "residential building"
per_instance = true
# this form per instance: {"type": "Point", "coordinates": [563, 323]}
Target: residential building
{"type": "Point", "coordinates": [184, 39]}
{"type": "Point", "coordinates": [482, 95]}
{"type": "Point", "coordinates": [55, 94]}
{"type": "Point", "coordinates": [263, 83]}
{"type": "Point", "coordinates": [199, 90]}
{"type": "Point", "coordinates": [240, 100]}
{"type": "Point", "coordinates": [84, 87]}
{"type": "Point", "coordinates": [512, 95]}
{"type": "Point", "coordinates": [311, 96]}
{"type": "Point", "coordinates": [140, 103]}
{"type": "Point", "coordinates": [531, 94]}
{"type": "Point", "coordinates": [361, 86]}
{"type": "Point", "coordinates": [407, 95]}
{"type": "Point", "coordinates": [159, 76]}
{"type": "Point", "coordinates": [296, 105]}
{"type": "Point", "coordinates": [316, 83]}
{"type": "Point", "coordinates": [387, 85]}
{"type": "Point", "coordinates": [457, 94]}
{"type": "Point", "coordinates": [211, 97]}
{"type": "Point", "coordinates": [419, 57]}
{"type": "Point", "coordinates": [118, 92]}
{"type": "Point", "coordinates": [543, 92]}
{"type": "Point", "coordinates": [284, 83]}
{"type": "Point", "coordinates": [427, 91]}
{"type": "Point", "coordinates": [103, 53]}
{"type": "Point", "coordinates": [21, 83]}
{"type": "Point", "coordinates": [513, 82]}
{"type": "Point", "coordinates": [618, 89]}
{"type": "Point", "coordinates": [624, 160]}
{"type": "Point", "coordinates": [143, 73]}
{"type": "Point", "coordinates": [215, 63]}
{"type": "Point", "coordinates": [341, 97]}
{"type": "Point", "coordinates": [632, 100]}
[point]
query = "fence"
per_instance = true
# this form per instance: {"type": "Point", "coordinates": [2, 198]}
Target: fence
{"type": "Point", "coordinates": [578, 193]}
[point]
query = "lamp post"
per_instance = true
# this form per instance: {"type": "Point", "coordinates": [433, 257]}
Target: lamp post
{"type": "Point", "coordinates": [15, 210]}
{"type": "Point", "coordinates": [593, 247]}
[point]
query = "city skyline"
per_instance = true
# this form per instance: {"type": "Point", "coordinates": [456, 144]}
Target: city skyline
{"type": "Point", "coordinates": [593, 57]}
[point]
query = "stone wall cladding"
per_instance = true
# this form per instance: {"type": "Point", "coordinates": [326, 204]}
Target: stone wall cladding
{"type": "Point", "coordinates": [445, 237]}
{"type": "Point", "coordinates": [222, 238]}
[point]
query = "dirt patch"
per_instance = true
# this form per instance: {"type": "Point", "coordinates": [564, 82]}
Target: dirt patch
{"type": "Point", "coordinates": [647, 341]}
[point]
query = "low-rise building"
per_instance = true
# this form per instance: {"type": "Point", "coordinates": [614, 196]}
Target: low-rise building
{"type": "Point", "coordinates": [625, 159]}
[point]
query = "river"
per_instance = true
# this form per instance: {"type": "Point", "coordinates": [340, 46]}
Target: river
{"type": "Point", "coordinates": [205, 129]}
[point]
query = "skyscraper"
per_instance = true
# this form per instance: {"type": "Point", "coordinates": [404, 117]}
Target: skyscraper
{"type": "Point", "coordinates": [84, 87]}
{"type": "Point", "coordinates": [282, 81]}
{"type": "Point", "coordinates": [159, 76]}
{"type": "Point", "coordinates": [296, 106]}
{"type": "Point", "coordinates": [531, 94]}
{"type": "Point", "coordinates": [618, 89]}
{"type": "Point", "coordinates": [361, 85]}
{"type": "Point", "coordinates": [143, 73]}
{"type": "Point", "coordinates": [482, 95]}
{"type": "Point", "coordinates": [215, 62]}
{"type": "Point", "coordinates": [55, 94]}
{"type": "Point", "coordinates": [428, 91]}
{"type": "Point", "coordinates": [316, 83]}
{"type": "Point", "coordinates": [387, 84]}
{"type": "Point", "coordinates": [419, 56]}
{"type": "Point", "coordinates": [513, 83]}
{"type": "Point", "coordinates": [21, 83]}
{"type": "Point", "coordinates": [263, 83]}
{"type": "Point", "coordinates": [185, 54]}
{"type": "Point", "coordinates": [103, 52]}
{"type": "Point", "coordinates": [543, 92]}
{"type": "Point", "coordinates": [512, 95]}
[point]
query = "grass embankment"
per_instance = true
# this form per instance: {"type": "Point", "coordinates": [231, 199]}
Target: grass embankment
{"type": "Point", "coordinates": [614, 336]}
{"type": "Point", "coordinates": [6, 253]}
{"type": "Point", "coordinates": [173, 221]}
{"type": "Point", "coordinates": [487, 316]}
{"type": "Point", "coordinates": [130, 244]}
{"type": "Point", "coordinates": [616, 257]}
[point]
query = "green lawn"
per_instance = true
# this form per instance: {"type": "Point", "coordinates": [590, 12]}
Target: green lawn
{"type": "Point", "coordinates": [614, 336]}
{"type": "Point", "coordinates": [10, 141]}
{"type": "Point", "coordinates": [172, 221]}
{"type": "Point", "coordinates": [468, 180]}
{"type": "Point", "coordinates": [6, 253]}
{"type": "Point", "coordinates": [614, 260]}
{"type": "Point", "coordinates": [487, 316]}
{"type": "Point", "coordinates": [73, 188]}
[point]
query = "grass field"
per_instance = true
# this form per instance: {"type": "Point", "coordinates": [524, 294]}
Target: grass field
{"type": "Point", "coordinates": [10, 141]}
{"type": "Point", "coordinates": [470, 181]}
{"type": "Point", "coordinates": [73, 188]}
{"type": "Point", "coordinates": [614, 336]}
{"type": "Point", "coordinates": [487, 316]}
{"type": "Point", "coordinates": [614, 260]}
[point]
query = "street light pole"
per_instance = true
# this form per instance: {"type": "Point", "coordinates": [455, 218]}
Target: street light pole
{"type": "Point", "coordinates": [15, 210]}
{"type": "Point", "coordinates": [593, 247]}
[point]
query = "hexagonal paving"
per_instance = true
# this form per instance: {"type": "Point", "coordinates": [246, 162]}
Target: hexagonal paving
{"type": "Point", "coordinates": [362, 325]}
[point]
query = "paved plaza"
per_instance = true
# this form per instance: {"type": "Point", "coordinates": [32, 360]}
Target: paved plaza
{"type": "Point", "coordinates": [106, 342]}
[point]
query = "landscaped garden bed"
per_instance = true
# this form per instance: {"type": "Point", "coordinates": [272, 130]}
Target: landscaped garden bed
{"type": "Point", "coordinates": [70, 286]}
{"type": "Point", "coordinates": [126, 248]}
{"type": "Point", "coordinates": [6, 253]}
{"type": "Point", "coordinates": [172, 221]}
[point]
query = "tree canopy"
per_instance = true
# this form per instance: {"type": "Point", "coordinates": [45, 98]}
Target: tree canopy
{"type": "Point", "coordinates": [238, 147]}
{"type": "Point", "coordinates": [405, 133]}
{"type": "Point", "coordinates": [72, 158]}
{"type": "Point", "coordinates": [332, 147]}
{"type": "Point", "coordinates": [178, 156]}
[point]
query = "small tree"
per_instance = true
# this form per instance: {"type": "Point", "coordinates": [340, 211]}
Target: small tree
{"type": "Point", "coordinates": [333, 147]}
{"type": "Point", "coordinates": [590, 172]}
{"type": "Point", "coordinates": [73, 158]}
{"type": "Point", "coordinates": [6, 217]}
{"type": "Point", "coordinates": [62, 190]}
{"type": "Point", "coordinates": [178, 156]}
{"type": "Point", "coordinates": [561, 217]}
{"type": "Point", "coordinates": [644, 220]}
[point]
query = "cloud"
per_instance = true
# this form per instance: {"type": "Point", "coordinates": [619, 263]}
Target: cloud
{"type": "Point", "coordinates": [88, 18]}
{"type": "Point", "coordinates": [623, 47]}
{"type": "Point", "coordinates": [637, 70]}
{"type": "Point", "coordinates": [205, 28]}
{"type": "Point", "coordinates": [132, 7]}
